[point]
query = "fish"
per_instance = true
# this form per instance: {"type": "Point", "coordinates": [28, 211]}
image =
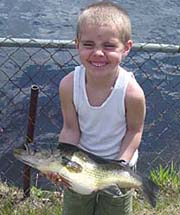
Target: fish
{"type": "Point", "coordinates": [85, 172]}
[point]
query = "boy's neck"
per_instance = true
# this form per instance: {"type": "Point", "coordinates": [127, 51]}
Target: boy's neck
{"type": "Point", "coordinates": [106, 82]}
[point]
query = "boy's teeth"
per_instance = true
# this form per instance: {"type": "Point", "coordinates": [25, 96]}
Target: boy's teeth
{"type": "Point", "coordinates": [98, 64]}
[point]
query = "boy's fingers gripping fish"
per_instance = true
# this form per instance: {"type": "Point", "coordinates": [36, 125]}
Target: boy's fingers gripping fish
{"type": "Point", "coordinates": [83, 171]}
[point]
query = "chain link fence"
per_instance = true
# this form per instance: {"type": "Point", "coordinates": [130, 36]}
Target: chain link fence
{"type": "Point", "coordinates": [27, 62]}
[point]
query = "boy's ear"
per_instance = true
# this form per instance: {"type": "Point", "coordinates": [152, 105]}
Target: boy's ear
{"type": "Point", "coordinates": [128, 47]}
{"type": "Point", "coordinates": [77, 43]}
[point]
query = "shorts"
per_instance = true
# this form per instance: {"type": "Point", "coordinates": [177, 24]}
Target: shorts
{"type": "Point", "coordinates": [98, 203]}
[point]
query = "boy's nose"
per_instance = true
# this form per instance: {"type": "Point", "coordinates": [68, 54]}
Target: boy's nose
{"type": "Point", "coordinates": [98, 51]}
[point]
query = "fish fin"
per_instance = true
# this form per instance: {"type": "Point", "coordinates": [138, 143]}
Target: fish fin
{"type": "Point", "coordinates": [71, 148]}
{"type": "Point", "coordinates": [114, 190]}
{"type": "Point", "coordinates": [150, 190]}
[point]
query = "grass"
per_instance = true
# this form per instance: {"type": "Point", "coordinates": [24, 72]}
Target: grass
{"type": "Point", "coordinates": [168, 179]}
{"type": "Point", "coordinates": [39, 203]}
{"type": "Point", "coordinates": [45, 202]}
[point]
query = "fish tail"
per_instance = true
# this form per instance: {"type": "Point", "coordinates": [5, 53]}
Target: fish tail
{"type": "Point", "coordinates": [150, 190]}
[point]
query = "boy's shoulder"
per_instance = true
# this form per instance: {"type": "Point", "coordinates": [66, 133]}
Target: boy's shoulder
{"type": "Point", "coordinates": [67, 79]}
{"type": "Point", "coordinates": [66, 83]}
{"type": "Point", "coordinates": [134, 90]}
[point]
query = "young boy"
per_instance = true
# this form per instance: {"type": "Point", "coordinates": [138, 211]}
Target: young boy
{"type": "Point", "coordinates": [103, 106]}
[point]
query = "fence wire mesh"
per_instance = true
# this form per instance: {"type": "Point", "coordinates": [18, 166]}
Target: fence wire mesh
{"type": "Point", "coordinates": [25, 62]}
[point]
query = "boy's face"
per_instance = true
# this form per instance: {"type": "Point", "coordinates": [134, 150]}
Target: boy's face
{"type": "Point", "coordinates": [100, 49]}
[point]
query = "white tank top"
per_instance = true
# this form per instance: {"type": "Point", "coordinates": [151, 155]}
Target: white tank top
{"type": "Point", "coordinates": [102, 127]}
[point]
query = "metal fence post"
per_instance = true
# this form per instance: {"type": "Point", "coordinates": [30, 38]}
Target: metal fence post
{"type": "Point", "coordinates": [30, 136]}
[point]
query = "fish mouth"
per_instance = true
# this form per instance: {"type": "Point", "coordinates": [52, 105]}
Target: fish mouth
{"type": "Point", "coordinates": [22, 153]}
{"type": "Point", "coordinates": [25, 159]}
{"type": "Point", "coordinates": [18, 153]}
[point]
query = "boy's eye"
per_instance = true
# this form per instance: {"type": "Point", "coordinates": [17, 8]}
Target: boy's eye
{"type": "Point", "coordinates": [88, 45]}
{"type": "Point", "coordinates": [109, 46]}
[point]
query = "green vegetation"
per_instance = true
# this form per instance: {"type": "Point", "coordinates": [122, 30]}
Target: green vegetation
{"type": "Point", "coordinates": [45, 202]}
{"type": "Point", "coordinates": [39, 203]}
{"type": "Point", "coordinates": [168, 202]}
{"type": "Point", "coordinates": [167, 178]}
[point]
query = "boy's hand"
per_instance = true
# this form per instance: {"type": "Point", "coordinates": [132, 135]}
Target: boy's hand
{"type": "Point", "coordinates": [57, 179]}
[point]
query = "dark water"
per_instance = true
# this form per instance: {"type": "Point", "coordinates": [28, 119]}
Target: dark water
{"type": "Point", "coordinates": [152, 21]}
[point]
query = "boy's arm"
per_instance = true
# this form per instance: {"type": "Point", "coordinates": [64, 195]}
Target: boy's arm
{"type": "Point", "coordinates": [70, 132]}
{"type": "Point", "coordinates": [135, 115]}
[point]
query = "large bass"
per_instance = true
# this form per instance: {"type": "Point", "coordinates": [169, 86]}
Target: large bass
{"type": "Point", "coordinates": [85, 172]}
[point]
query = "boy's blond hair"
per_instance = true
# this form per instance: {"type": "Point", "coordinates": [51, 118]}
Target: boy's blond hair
{"type": "Point", "coordinates": [106, 13]}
